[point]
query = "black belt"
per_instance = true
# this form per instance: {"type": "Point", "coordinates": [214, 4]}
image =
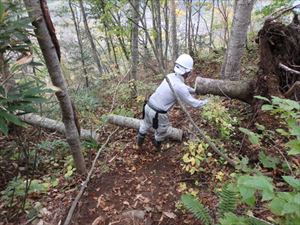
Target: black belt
{"type": "Point", "coordinates": [155, 119]}
{"type": "Point", "coordinates": [155, 109]}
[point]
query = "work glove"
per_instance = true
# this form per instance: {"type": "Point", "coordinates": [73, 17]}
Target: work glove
{"type": "Point", "coordinates": [204, 102]}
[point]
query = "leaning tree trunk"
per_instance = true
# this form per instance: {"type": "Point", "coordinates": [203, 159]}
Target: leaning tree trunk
{"type": "Point", "coordinates": [232, 63]}
{"type": "Point", "coordinates": [52, 62]}
{"type": "Point", "coordinates": [241, 90]}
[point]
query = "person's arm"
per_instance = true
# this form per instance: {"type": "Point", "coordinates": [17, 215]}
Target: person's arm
{"type": "Point", "coordinates": [191, 90]}
{"type": "Point", "coordinates": [187, 98]}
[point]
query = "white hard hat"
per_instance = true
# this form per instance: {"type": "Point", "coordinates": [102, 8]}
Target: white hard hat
{"type": "Point", "coordinates": [185, 61]}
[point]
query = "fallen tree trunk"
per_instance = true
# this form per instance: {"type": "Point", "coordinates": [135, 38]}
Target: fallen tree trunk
{"type": "Point", "coordinates": [173, 133]}
{"type": "Point", "coordinates": [242, 90]}
{"type": "Point", "coordinates": [50, 124]}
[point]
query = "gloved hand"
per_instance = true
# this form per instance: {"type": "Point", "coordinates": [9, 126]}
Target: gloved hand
{"type": "Point", "coordinates": [204, 102]}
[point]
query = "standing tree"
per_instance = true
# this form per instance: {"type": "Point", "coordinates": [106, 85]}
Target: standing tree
{"type": "Point", "coordinates": [211, 43]}
{"type": "Point", "coordinates": [135, 38]}
{"type": "Point", "coordinates": [242, 16]}
{"type": "Point", "coordinates": [79, 40]}
{"type": "Point", "coordinates": [90, 37]}
{"type": "Point", "coordinates": [52, 62]}
{"type": "Point", "coordinates": [174, 30]}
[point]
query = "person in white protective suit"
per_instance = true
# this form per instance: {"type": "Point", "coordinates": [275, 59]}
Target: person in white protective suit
{"type": "Point", "coordinates": [161, 101]}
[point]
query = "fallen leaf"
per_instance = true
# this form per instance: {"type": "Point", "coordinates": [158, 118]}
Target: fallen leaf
{"type": "Point", "coordinates": [170, 215]}
{"type": "Point", "coordinates": [99, 221]}
{"type": "Point", "coordinates": [101, 202]}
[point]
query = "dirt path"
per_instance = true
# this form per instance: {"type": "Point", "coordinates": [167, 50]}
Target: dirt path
{"type": "Point", "coordinates": [140, 187]}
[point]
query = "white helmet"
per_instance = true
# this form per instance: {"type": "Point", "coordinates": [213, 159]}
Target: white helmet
{"type": "Point", "coordinates": [183, 64]}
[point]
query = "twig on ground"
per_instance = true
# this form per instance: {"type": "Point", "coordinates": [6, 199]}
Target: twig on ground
{"type": "Point", "coordinates": [84, 184]}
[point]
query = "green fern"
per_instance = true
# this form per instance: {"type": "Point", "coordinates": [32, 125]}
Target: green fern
{"type": "Point", "coordinates": [228, 200]}
{"type": "Point", "coordinates": [255, 221]}
{"type": "Point", "coordinates": [199, 211]}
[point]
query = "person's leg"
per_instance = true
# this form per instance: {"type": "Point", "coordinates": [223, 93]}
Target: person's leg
{"type": "Point", "coordinates": [161, 131]}
{"type": "Point", "coordinates": [145, 124]}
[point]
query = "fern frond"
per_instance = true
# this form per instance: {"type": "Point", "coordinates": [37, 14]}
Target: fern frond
{"type": "Point", "coordinates": [197, 208]}
{"type": "Point", "coordinates": [228, 200]}
{"type": "Point", "coordinates": [256, 221]}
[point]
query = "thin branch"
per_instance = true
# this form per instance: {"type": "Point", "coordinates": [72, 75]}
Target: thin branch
{"type": "Point", "coordinates": [288, 69]}
{"type": "Point", "coordinates": [292, 89]}
{"type": "Point", "coordinates": [115, 92]}
{"type": "Point", "coordinates": [280, 12]}
{"type": "Point", "coordinates": [84, 184]}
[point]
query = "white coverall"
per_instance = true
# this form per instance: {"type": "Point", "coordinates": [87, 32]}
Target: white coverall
{"type": "Point", "coordinates": [162, 100]}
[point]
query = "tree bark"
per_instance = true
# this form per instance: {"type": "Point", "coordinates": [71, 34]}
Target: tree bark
{"type": "Point", "coordinates": [232, 63]}
{"type": "Point", "coordinates": [79, 40]}
{"type": "Point", "coordinates": [51, 58]}
{"type": "Point", "coordinates": [135, 38]}
{"type": "Point", "coordinates": [173, 30]}
{"type": "Point", "coordinates": [211, 26]}
{"type": "Point", "coordinates": [173, 133]}
{"type": "Point", "coordinates": [241, 90]}
{"type": "Point", "coordinates": [36, 120]}
{"type": "Point", "coordinates": [90, 37]}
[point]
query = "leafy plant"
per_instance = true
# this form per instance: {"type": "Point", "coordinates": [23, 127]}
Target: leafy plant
{"type": "Point", "coordinates": [283, 204]}
{"type": "Point", "coordinates": [227, 205]}
{"type": "Point", "coordinates": [268, 161]}
{"type": "Point", "coordinates": [195, 152]}
{"type": "Point", "coordinates": [19, 99]}
{"type": "Point", "coordinates": [220, 117]}
{"type": "Point", "coordinates": [197, 208]}
{"type": "Point", "coordinates": [289, 111]}
{"type": "Point", "coordinates": [17, 188]}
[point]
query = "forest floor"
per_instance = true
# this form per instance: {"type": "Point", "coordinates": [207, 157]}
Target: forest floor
{"type": "Point", "coordinates": [141, 186]}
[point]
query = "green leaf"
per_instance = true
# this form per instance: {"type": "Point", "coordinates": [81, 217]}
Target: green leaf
{"type": "Point", "coordinates": [267, 107]}
{"type": "Point", "coordinates": [295, 147]}
{"type": "Point", "coordinates": [253, 137]}
{"type": "Point", "coordinates": [295, 183]}
{"type": "Point", "coordinates": [11, 118]}
{"type": "Point", "coordinates": [3, 126]}
{"type": "Point", "coordinates": [268, 161]}
{"type": "Point", "coordinates": [248, 185]}
{"type": "Point", "coordinates": [262, 98]}
{"type": "Point", "coordinates": [276, 206]}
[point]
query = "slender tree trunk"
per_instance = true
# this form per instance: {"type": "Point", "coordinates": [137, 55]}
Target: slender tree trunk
{"type": "Point", "coordinates": [157, 27]}
{"type": "Point", "coordinates": [189, 27]}
{"type": "Point", "coordinates": [242, 16]}
{"type": "Point", "coordinates": [76, 25]}
{"type": "Point", "coordinates": [174, 30]}
{"type": "Point", "coordinates": [211, 26]}
{"type": "Point", "coordinates": [135, 39]}
{"type": "Point", "coordinates": [51, 58]}
{"type": "Point", "coordinates": [166, 15]}
{"type": "Point", "coordinates": [90, 37]}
